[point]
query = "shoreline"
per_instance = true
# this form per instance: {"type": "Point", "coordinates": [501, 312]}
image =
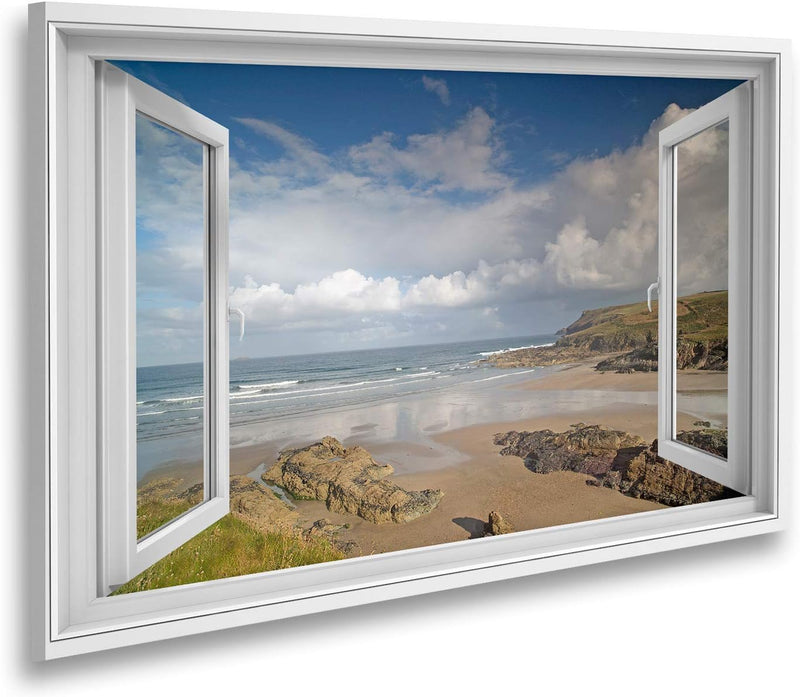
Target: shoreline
{"type": "Point", "coordinates": [485, 481]}
{"type": "Point", "coordinates": [465, 464]}
{"type": "Point", "coordinates": [430, 442]}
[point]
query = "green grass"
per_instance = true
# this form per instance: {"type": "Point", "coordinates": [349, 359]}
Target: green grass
{"type": "Point", "coordinates": [229, 548]}
{"type": "Point", "coordinates": [151, 514]}
{"type": "Point", "coordinates": [701, 317]}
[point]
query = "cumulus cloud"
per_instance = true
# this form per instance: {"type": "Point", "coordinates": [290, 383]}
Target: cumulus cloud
{"type": "Point", "coordinates": [438, 87]}
{"type": "Point", "coordinates": [416, 238]}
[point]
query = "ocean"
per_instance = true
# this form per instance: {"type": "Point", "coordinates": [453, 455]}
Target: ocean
{"type": "Point", "coordinates": [170, 399]}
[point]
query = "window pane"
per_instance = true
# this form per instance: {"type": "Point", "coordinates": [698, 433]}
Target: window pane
{"type": "Point", "coordinates": [701, 289]}
{"type": "Point", "coordinates": [170, 279]}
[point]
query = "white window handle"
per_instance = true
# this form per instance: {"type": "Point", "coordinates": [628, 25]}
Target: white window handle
{"type": "Point", "coordinates": [240, 314]}
{"type": "Point", "coordinates": [652, 287]}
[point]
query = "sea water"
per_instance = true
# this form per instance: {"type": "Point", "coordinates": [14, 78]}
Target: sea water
{"type": "Point", "coordinates": [170, 397]}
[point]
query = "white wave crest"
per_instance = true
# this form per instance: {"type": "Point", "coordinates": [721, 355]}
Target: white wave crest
{"type": "Point", "coordinates": [514, 348]}
{"type": "Point", "coordinates": [269, 385]}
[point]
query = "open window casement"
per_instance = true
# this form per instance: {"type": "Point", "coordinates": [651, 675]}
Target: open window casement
{"type": "Point", "coordinates": [127, 111]}
{"type": "Point", "coordinates": [705, 237]}
{"type": "Point", "coordinates": [723, 202]}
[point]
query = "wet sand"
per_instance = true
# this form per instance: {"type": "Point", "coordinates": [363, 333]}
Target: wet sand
{"type": "Point", "coordinates": [487, 481]}
{"type": "Point", "coordinates": [476, 479]}
{"type": "Point", "coordinates": [583, 376]}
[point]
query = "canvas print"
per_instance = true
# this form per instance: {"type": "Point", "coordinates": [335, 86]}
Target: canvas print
{"type": "Point", "coordinates": [443, 276]}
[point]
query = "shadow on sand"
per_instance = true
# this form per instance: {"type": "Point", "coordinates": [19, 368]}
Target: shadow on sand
{"type": "Point", "coordinates": [473, 526]}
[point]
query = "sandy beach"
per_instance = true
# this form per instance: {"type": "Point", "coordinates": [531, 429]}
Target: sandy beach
{"type": "Point", "coordinates": [429, 452]}
{"type": "Point", "coordinates": [476, 479]}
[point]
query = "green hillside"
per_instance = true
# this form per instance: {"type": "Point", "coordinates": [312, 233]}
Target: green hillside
{"type": "Point", "coordinates": [701, 317]}
{"type": "Point", "coordinates": [633, 330]}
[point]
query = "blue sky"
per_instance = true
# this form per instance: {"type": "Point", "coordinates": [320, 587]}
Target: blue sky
{"type": "Point", "coordinates": [395, 207]}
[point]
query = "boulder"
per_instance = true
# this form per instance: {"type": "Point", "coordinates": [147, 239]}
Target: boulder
{"type": "Point", "coordinates": [620, 461]}
{"type": "Point", "coordinates": [497, 525]}
{"type": "Point", "coordinates": [254, 504]}
{"type": "Point", "coordinates": [348, 480]}
{"type": "Point", "coordinates": [324, 528]}
{"type": "Point", "coordinates": [587, 449]}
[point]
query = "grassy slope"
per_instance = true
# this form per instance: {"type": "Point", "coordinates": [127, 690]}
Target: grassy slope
{"type": "Point", "coordinates": [152, 514]}
{"type": "Point", "coordinates": [701, 317]}
{"type": "Point", "coordinates": [229, 547]}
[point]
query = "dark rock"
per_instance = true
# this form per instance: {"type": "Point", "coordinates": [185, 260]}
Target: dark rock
{"type": "Point", "coordinates": [589, 449]}
{"type": "Point", "coordinates": [640, 360]}
{"type": "Point", "coordinates": [621, 461]}
{"type": "Point", "coordinates": [711, 440]}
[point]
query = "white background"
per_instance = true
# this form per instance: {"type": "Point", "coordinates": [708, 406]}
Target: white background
{"type": "Point", "coordinates": [718, 620]}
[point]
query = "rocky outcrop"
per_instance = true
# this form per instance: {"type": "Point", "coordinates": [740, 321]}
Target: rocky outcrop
{"type": "Point", "coordinates": [586, 449]}
{"type": "Point", "coordinates": [702, 355]}
{"type": "Point", "coordinates": [497, 525]}
{"type": "Point", "coordinates": [163, 489]}
{"type": "Point", "coordinates": [258, 506]}
{"type": "Point", "coordinates": [696, 355]}
{"type": "Point", "coordinates": [640, 360]}
{"type": "Point", "coordinates": [558, 354]}
{"type": "Point", "coordinates": [253, 503]}
{"type": "Point", "coordinates": [632, 330]}
{"type": "Point", "coordinates": [348, 480]}
{"type": "Point", "coordinates": [711, 440]}
{"type": "Point", "coordinates": [620, 461]}
{"type": "Point", "coordinates": [324, 528]}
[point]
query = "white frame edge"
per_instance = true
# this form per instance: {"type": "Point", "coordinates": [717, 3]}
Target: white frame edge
{"type": "Point", "coordinates": [735, 107]}
{"type": "Point", "coordinates": [120, 98]}
{"type": "Point", "coordinates": [69, 618]}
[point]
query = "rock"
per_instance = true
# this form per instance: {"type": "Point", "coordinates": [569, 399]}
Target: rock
{"type": "Point", "coordinates": [254, 504]}
{"type": "Point", "coordinates": [348, 480]}
{"type": "Point", "coordinates": [711, 440]}
{"type": "Point", "coordinates": [164, 489]}
{"type": "Point", "coordinates": [497, 525]}
{"type": "Point", "coordinates": [588, 449]}
{"type": "Point", "coordinates": [631, 331]}
{"type": "Point", "coordinates": [695, 355]}
{"type": "Point", "coordinates": [648, 476]}
{"type": "Point", "coordinates": [641, 360]}
{"type": "Point", "coordinates": [702, 355]}
{"type": "Point", "coordinates": [620, 461]}
{"type": "Point", "coordinates": [331, 531]}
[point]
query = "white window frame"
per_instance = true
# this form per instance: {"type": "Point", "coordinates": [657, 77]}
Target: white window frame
{"type": "Point", "coordinates": [66, 41]}
{"type": "Point", "coordinates": [734, 108]}
{"type": "Point", "coordinates": [120, 97]}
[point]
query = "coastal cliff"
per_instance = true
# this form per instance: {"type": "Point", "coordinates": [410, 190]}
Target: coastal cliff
{"type": "Point", "coordinates": [619, 460]}
{"type": "Point", "coordinates": [348, 480]}
{"type": "Point", "coordinates": [630, 332]}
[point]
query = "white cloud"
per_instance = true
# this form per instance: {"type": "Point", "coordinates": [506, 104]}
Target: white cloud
{"type": "Point", "coordinates": [372, 244]}
{"type": "Point", "coordinates": [304, 158]}
{"type": "Point", "coordinates": [464, 158]}
{"type": "Point", "coordinates": [438, 87]}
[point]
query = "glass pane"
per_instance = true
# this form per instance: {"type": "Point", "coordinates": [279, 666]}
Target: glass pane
{"type": "Point", "coordinates": [170, 386]}
{"type": "Point", "coordinates": [701, 240]}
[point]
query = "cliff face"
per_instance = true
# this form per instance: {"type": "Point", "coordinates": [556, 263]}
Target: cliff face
{"type": "Point", "coordinates": [698, 355]}
{"type": "Point", "coordinates": [348, 480]}
{"type": "Point", "coordinates": [632, 330]}
{"type": "Point", "coordinates": [618, 460]}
